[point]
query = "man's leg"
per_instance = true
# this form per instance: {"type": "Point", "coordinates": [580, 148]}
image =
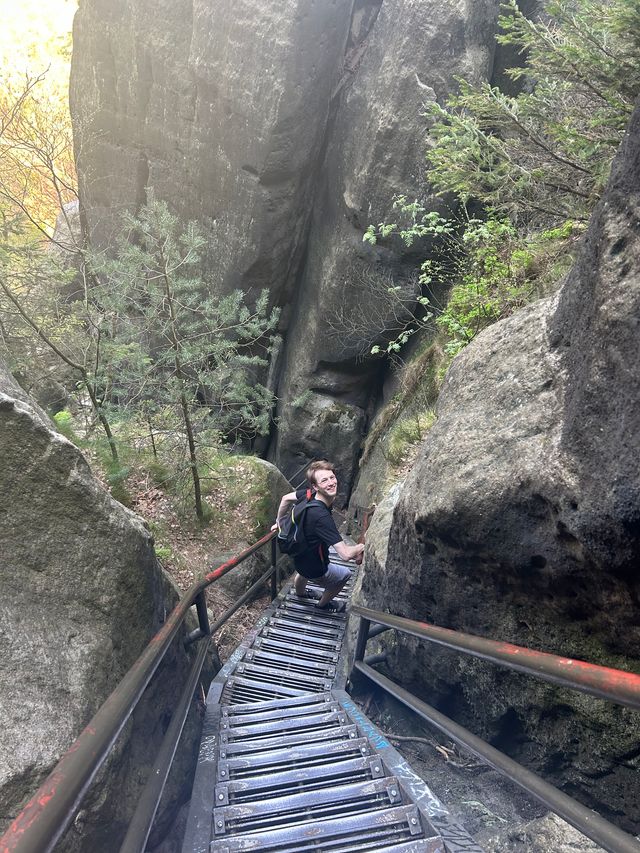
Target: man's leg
{"type": "Point", "coordinates": [300, 584]}
{"type": "Point", "coordinates": [333, 582]}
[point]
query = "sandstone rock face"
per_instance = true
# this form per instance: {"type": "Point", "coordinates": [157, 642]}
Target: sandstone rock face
{"type": "Point", "coordinates": [221, 108]}
{"type": "Point", "coordinates": [80, 596]}
{"type": "Point", "coordinates": [541, 835]}
{"type": "Point", "coordinates": [264, 120]}
{"type": "Point", "coordinates": [521, 520]}
{"type": "Point", "coordinates": [402, 59]}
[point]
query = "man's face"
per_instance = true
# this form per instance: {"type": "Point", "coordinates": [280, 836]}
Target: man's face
{"type": "Point", "coordinates": [326, 483]}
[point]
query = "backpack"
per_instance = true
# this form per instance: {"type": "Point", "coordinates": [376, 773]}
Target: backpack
{"type": "Point", "coordinates": [291, 538]}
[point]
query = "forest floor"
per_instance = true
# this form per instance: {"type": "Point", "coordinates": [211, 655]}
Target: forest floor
{"type": "Point", "coordinates": [187, 549]}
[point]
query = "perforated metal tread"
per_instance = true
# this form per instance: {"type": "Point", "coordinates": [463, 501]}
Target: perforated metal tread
{"type": "Point", "coordinates": [289, 764]}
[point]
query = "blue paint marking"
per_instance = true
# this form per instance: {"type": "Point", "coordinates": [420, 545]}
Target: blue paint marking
{"type": "Point", "coordinates": [367, 727]}
{"type": "Point", "coordinates": [229, 665]}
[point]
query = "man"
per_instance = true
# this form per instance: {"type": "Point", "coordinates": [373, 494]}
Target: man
{"type": "Point", "coordinates": [321, 533]}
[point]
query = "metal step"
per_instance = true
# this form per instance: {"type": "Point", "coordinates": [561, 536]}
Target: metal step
{"type": "Point", "coordinates": [313, 805]}
{"type": "Point", "coordinates": [293, 766]}
{"type": "Point", "coordinates": [309, 755]}
{"type": "Point", "coordinates": [295, 780]}
{"type": "Point", "coordinates": [276, 741]}
{"type": "Point", "coordinates": [263, 657]}
{"type": "Point", "coordinates": [366, 831]}
{"type": "Point", "coordinates": [310, 703]}
{"type": "Point", "coordinates": [297, 724]}
{"type": "Point", "coordinates": [321, 654]}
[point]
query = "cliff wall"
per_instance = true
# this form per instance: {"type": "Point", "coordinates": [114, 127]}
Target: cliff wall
{"type": "Point", "coordinates": [521, 518]}
{"type": "Point", "coordinates": [285, 129]}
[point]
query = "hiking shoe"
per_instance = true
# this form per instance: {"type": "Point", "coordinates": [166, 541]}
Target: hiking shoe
{"type": "Point", "coordinates": [332, 607]}
{"type": "Point", "coordinates": [310, 593]}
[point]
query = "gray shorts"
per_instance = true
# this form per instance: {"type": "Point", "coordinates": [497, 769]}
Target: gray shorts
{"type": "Point", "coordinates": [335, 576]}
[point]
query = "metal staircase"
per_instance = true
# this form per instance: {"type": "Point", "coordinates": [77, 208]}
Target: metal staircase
{"type": "Point", "coordinates": [288, 763]}
{"type": "Point", "coordinates": [287, 760]}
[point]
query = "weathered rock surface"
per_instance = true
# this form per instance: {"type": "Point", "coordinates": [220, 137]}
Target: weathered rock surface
{"type": "Point", "coordinates": [521, 519]}
{"type": "Point", "coordinates": [541, 835]}
{"type": "Point", "coordinates": [221, 108]}
{"type": "Point", "coordinates": [80, 596]}
{"type": "Point", "coordinates": [254, 117]}
{"type": "Point", "coordinates": [399, 58]}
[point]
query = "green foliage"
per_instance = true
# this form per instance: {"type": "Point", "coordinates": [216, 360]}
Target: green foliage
{"type": "Point", "coordinates": [536, 162]}
{"type": "Point", "coordinates": [302, 399]}
{"type": "Point", "coordinates": [175, 338]}
{"type": "Point", "coordinates": [490, 281]}
{"type": "Point", "coordinates": [406, 434]}
{"type": "Point", "coordinates": [175, 352]}
{"type": "Point", "coordinates": [163, 552]}
{"type": "Point", "coordinates": [64, 422]}
{"type": "Point", "coordinates": [115, 471]}
{"type": "Point", "coordinates": [160, 473]}
{"type": "Point", "coordinates": [485, 264]}
{"type": "Point", "coordinates": [543, 155]}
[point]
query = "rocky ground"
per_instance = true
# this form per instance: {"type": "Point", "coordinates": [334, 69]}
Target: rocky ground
{"type": "Point", "coordinates": [495, 812]}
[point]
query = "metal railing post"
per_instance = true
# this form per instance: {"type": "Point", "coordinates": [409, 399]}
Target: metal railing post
{"type": "Point", "coordinates": [274, 566]}
{"type": "Point", "coordinates": [203, 629]}
{"type": "Point", "coordinates": [203, 616]}
{"type": "Point", "coordinates": [363, 636]}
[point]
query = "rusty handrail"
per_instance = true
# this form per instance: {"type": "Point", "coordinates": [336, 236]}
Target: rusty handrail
{"type": "Point", "coordinates": [48, 813]}
{"type": "Point", "coordinates": [612, 684]}
{"type": "Point", "coordinates": [615, 685]}
{"type": "Point", "coordinates": [585, 820]}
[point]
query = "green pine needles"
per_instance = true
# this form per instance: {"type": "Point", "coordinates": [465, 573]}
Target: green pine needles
{"type": "Point", "coordinates": [531, 165]}
{"type": "Point", "coordinates": [542, 156]}
{"type": "Point", "coordinates": [178, 352]}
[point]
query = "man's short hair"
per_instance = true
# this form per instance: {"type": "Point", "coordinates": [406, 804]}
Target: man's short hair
{"type": "Point", "coordinates": [319, 465]}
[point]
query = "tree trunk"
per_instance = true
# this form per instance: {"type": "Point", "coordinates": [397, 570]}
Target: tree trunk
{"type": "Point", "coordinates": [103, 419]}
{"type": "Point", "coordinates": [193, 459]}
{"type": "Point", "coordinates": [184, 403]}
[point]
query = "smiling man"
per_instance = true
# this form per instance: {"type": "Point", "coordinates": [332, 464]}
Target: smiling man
{"type": "Point", "coordinates": [321, 533]}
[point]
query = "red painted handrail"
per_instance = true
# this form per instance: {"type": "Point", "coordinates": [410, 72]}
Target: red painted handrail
{"type": "Point", "coordinates": [616, 685]}
{"type": "Point", "coordinates": [47, 814]}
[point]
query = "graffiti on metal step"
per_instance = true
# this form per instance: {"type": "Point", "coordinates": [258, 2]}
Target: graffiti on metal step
{"type": "Point", "coordinates": [367, 727]}
{"type": "Point", "coordinates": [208, 746]}
{"type": "Point", "coordinates": [455, 837]}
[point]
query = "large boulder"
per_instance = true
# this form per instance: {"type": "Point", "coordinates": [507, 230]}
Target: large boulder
{"type": "Point", "coordinates": [402, 55]}
{"type": "Point", "coordinates": [521, 519]}
{"type": "Point", "coordinates": [80, 596]}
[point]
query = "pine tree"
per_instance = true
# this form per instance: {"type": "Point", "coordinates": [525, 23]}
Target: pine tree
{"type": "Point", "coordinates": [190, 352]}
